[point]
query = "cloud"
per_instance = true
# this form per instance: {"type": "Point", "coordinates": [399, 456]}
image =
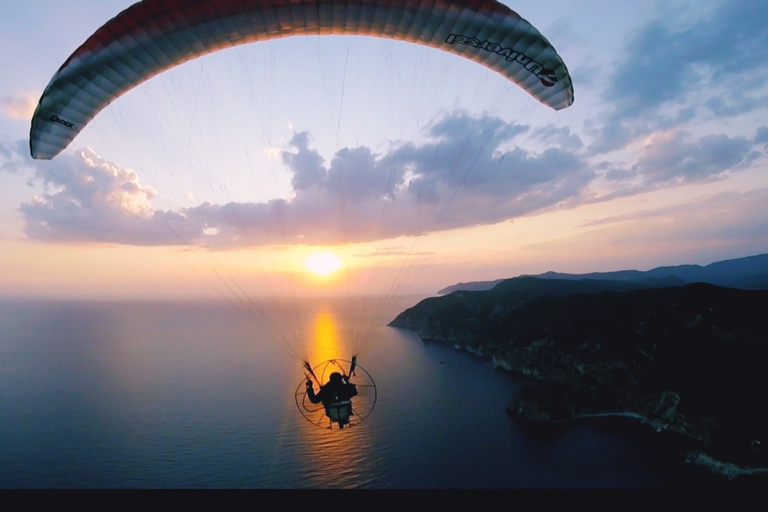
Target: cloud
{"type": "Point", "coordinates": [730, 104]}
{"type": "Point", "coordinates": [460, 178]}
{"type": "Point", "coordinates": [762, 135]}
{"type": "Point", "coordinates": [722, 220]}
{"type": "Point", "coordinates": [670, 159]}
{"type": "Point", "coordinates": [394, 251]}
{"type": "Point", "coordinates": [721, 226]}
{"type": "Point", "coordinates": [14, 155]}
{"type": "Point", "coordinates": [666, 74]}
{"type": "Point", "coordinates": [559, 136]}
{"type": "Point", "coordinates": [661, 64]}
{"type": "Point", "coordinates": [88, 199]}
{"type": "Point", "coordinates": [673, 159]}
{"type": "Point", "coordinates": [469, 172]}
{"type": "Point", "coordinates": [21, 106]}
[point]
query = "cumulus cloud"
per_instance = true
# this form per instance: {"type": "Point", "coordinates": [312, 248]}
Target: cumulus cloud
{"type": "Point", "coordinates": [20, 106]}
{"type": "Point", "coordinates": [462, 177]}
{"type": "Point", "coordinates": [88, 199]}
{"type": "Point", "coordinates": [469, 172]}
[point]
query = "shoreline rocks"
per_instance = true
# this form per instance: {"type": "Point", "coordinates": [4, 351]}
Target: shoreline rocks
{"type": "Point", "coordinates": [533, 404]}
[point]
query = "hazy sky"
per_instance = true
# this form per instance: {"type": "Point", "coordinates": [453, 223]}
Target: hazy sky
{"type": "Point", "coordinates": [419, 168]}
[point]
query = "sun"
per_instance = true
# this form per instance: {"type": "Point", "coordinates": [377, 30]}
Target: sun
{"type": "Point", "coordinates": [322, 263]}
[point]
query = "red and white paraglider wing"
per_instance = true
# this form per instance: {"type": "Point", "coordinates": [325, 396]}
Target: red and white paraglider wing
{"type": "Point", "coordinates": [154, 35]}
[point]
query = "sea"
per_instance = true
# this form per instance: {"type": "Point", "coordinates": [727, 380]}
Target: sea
{"type": "Point", "coordinates": [199, 395]}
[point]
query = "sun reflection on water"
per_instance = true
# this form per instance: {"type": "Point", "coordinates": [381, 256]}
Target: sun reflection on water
{"type": "Point", "coordinates": [334, 456]}
{"type": "Point", "coordinates": [326, 343]}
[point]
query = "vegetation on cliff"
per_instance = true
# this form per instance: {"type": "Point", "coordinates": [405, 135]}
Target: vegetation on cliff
{"type": "Point", "coordinates": [689, 360]}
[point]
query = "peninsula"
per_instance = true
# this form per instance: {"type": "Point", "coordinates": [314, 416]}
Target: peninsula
{"type": "Point", "coordinates": [688, 360]}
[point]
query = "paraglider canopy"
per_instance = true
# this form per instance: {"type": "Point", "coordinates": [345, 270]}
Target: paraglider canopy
{"type": "Point", "coordinates": [155, 35]}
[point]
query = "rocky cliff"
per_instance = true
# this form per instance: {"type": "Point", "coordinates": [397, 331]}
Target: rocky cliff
{"type": "Point", "coordinates": [687, 360]}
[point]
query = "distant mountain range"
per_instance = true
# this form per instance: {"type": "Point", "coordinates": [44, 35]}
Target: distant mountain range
{"type": "Point", "coordinates": [750, 273]}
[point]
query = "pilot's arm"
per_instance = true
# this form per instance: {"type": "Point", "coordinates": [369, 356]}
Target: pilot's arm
{"type": "Point", "coordinates": [314, 398]}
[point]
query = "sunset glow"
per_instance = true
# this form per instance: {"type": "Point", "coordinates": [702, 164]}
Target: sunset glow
{"type": "Point", "coordinates": [322, 263]}
{"type": "Point", "coordinates": [408, 168]}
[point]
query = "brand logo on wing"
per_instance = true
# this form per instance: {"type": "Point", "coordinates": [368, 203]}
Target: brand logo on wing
{"type": "Point", "coordinates": [57, 119]}
{"type": "Point", "coordinates": [546, 76]}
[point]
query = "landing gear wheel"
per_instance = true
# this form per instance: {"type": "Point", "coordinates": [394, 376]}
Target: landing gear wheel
{"type": "Point", "coordinates": [362, 404]}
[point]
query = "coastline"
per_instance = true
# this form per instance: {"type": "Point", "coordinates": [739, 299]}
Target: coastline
{"type": "Point", "coordinates": [696, 456]}
{"type": "Point", "coordinates": [683, 360]}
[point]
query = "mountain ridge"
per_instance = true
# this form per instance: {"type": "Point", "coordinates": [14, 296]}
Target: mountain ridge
{"type": "Point", "coordinates": [747, 273]}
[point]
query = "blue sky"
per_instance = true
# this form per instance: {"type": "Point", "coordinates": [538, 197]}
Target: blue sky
{"type": "Point", "coordinates": [392, 155]}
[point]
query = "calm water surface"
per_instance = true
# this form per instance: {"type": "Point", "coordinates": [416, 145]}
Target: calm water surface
{"type": "Point", "coordinates": [163, 395]}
